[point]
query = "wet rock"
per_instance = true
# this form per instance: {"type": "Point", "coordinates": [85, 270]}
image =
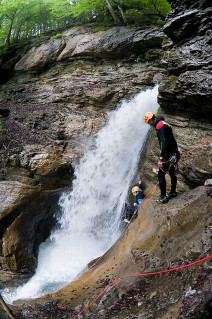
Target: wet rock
{"type": "Point", "coordinates": [24, 226]}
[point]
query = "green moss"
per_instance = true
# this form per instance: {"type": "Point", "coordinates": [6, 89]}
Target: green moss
{"type": "Point", "coordinates": [173, 78]}
{"type": "Point", "coordinates": [57, 36]}
{"type": "Point", "coordinates": [101, 28]}
{"type": "Point", "coordinates": [40, 43]}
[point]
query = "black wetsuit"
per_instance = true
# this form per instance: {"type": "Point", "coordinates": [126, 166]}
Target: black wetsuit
{"type": "Point", "coordinates": [168, 148]}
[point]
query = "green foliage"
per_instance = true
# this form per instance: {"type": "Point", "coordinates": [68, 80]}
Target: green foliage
{"type": "Point", "coordinates": [57, 36]}
{"type": "Point", "coordinates": [20, 19]}
{"type": "Point", "coordinates": [159, 111]}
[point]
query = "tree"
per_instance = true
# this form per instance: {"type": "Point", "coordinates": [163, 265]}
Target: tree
{"type": "Point", "coordinates": [25, 18]}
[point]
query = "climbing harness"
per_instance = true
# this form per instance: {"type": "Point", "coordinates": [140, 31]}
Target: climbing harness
{"type": "Point", "coordinates": [171, 161]}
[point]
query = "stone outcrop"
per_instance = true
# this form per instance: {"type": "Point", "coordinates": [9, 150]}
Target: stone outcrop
{"type": "Point", "coordinates": [37, 58]}
{"type": "Point", "coordinates": [117, 42]}
{"type": "Point", "coordinates": [185, 93]}
{"type": "Point", "coordinates": [187, 88]}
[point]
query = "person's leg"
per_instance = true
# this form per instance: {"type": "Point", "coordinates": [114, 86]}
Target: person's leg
{"type": "Point", "coordinates": [129, 214]}
{"type": "Point", "coordinates": [173, 179]}
{"type": "Point", "coordinates": [162, 182]}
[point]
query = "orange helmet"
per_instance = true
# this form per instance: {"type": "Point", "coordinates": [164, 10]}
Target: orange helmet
{"type": "Point", "coordinates": [135, 189]}
{"type": "Point", "coordinates": [148, 116]}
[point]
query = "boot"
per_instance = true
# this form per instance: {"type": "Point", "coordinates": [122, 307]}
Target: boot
{"type": "Point", "coordinates": [172, 195]}
{"type": "Point", "coordinates": [162, 200]}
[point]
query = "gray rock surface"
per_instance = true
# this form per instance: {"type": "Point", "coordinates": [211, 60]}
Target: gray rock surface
{"type": "Point", "coordinates": [187, 87]}
{"type": "Point", "coordinates": [117, 42]}
{"type": "Point", "coordinates": [38, 57]}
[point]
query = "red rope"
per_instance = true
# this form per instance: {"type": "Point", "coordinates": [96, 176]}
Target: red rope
{"type": "Point", "coordinates": [196, 147]}
{"type": "Point", "coordinates": [112, 283]}
{"type": "Point", "coordinates": [139, 275]}
{"type": "Point", "coordinates": [168, 270]}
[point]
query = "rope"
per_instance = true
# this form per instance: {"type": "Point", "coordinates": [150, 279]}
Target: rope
{"type": "Point", "coordinates": [139, 275]}
{"type": "Point", "coordinates": [196, 147]}
{"type": "Point", "coordinates": [112, 283]}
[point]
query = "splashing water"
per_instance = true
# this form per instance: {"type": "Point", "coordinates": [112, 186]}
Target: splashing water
{"type": "Point", "coordinates": [91, 217]}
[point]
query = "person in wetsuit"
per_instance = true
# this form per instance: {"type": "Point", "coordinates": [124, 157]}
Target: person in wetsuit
{"type": "Point", "coordinates": [139, 196]}
{"type": "Point", "coordinates": [169, 155]}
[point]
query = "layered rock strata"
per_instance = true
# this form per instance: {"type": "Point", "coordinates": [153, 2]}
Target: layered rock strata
{"type": "Point", "coordinates": [187, 89]}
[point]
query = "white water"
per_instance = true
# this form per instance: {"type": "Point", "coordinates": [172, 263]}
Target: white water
{"type": "Point", "coordinates": [91, 217]}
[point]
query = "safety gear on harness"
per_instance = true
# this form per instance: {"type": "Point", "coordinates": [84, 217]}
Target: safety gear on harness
{"type": "Point", "coordinates": [148, 116]}
{"type": "Point", "coordinates": [173, 159]}
{"type": "Point", "coordinates": [135, 189]}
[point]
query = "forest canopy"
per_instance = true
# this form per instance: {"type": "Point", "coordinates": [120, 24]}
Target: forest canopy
{"type": "Point", "coordinates": [22, 19]}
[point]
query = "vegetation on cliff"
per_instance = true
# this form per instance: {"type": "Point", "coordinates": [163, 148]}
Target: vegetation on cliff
{"type": "Point", "coordinates": [21, 19]}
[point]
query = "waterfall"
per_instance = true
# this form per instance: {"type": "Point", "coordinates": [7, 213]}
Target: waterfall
{"type": "Point", "coordinates": [91, 219]}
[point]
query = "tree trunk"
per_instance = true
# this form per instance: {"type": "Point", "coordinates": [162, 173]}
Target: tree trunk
{"type": "Point", "coordinates": [115, 18]}
{"type": "Point", "coordinates": [17, 33]}
{"type": "Point", "coordinates": [122, 14]}
{"type": "Point", "coordinates": [9, 33]}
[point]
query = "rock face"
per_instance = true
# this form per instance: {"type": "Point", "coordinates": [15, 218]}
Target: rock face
{"type": "Point", "coordinates": [185, 94]}
{"type": "Point", "coordinates": [187, 88]}
{"type": "Point", "coordinates": [26, 217]}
